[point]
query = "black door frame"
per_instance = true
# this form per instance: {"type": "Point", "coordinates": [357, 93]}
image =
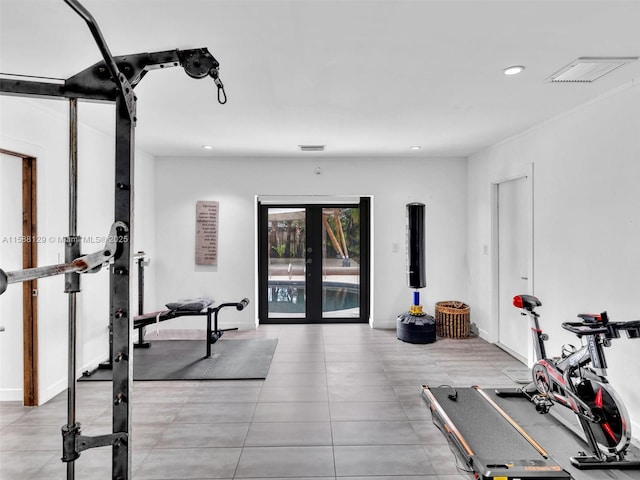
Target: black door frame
{"type": "Point", "coordinates": [314, 282]}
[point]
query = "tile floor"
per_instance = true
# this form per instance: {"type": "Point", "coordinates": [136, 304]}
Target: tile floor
{"type": "Point", "coordinates": [340, 401]}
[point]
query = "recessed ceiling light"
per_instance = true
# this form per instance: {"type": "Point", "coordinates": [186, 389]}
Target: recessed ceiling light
{"type": "Point", "coordinates": [207, 147]}
{"type": "Point", "coordinates": [415, 147]}
{"type": "Point", "coordinates": [513, 70]}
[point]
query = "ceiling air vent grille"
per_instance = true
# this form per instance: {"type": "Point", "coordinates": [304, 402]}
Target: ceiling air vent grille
{"type": "Point", "coordinates": [312, 148]}
{"type": "Point", "coordinates": [588, 69]}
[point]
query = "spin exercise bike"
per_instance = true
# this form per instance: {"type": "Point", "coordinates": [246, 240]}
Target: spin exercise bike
{"type": "Point", "coordinates": [577, 380]}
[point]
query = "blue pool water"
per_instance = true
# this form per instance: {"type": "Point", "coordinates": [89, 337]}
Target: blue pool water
{"type": "Point", "coordinates": [290, 297]}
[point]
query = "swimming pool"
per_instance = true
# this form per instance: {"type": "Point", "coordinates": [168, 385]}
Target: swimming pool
{"type": "Point", "coordinates": [288, 297]}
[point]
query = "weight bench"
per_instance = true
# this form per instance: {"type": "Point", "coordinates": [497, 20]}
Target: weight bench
{"type": "Point", "coordinates": [213, 332]}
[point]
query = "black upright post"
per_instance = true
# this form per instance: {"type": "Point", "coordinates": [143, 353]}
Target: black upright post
{"type": "Point", "coordinates": [140, 283]}
{"type": "Point", "coordinates": [72, 281]}
{"type": "Point", "coordinates": [313, 271]}
{"type": "Point", "coordinates": [120, 301]}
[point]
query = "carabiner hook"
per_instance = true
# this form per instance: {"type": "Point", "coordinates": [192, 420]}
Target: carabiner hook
{"type": "Point", "coordinates": [222, 94]}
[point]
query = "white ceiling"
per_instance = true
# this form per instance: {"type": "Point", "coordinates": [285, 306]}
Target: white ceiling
{"type": "Point", "coordinates": [363, 77]}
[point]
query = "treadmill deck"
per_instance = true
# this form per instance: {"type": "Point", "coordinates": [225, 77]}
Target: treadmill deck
{"type": "Point", "coordinates": [490, 441]}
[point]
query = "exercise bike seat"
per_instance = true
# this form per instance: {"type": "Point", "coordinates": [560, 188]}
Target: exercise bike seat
{"type": "Point", "coordinates": [528, 302]}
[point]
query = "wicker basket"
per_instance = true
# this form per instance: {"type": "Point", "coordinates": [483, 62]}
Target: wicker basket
{"type": "Point", "coordinates": [452, 319]}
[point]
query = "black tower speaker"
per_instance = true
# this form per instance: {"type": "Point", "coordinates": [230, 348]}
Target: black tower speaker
{"type": "Point", "coordinates": [416, 262]}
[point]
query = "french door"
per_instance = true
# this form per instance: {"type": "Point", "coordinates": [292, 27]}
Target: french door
{"type": "Point", "coordinates": [314, 263]}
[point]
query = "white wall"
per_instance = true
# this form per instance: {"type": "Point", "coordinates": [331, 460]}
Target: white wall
{"type": "Point", "coordinates": [235, 182]}
{"type": "Point", "coordinates": [144, 219]}
{"type": "Point", "coordinates": [40, 128]}
{"type": "Point", "coordinates": [586, 223]}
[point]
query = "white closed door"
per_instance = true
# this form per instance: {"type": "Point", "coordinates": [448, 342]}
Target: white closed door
{"type": "Point", "coordinates": [11, 351]}
{"type": "Point", "coordinates": [514, 245]}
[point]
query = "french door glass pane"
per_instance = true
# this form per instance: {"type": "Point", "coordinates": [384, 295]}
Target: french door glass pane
{"type": "Point", "coordinates": [286, 286]}
{"type": "Point", "coordinates": [341, 262]}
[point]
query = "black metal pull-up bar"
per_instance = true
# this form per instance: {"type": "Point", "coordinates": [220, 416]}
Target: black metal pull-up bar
{"type": "Point", "coordinates": [100, 41]}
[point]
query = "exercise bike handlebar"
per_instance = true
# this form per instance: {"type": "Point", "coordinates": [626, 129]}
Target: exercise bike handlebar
{"type": "Point", "coordinates": [584, 328]}
{"type": "Point", "coordinates": [610, 329]}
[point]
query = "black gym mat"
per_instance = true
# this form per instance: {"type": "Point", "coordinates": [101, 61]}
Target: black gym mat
{"type": "Point", "coordinates": [241, 359]}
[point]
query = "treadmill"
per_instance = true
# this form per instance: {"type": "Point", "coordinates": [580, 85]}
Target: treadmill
{"type": "Point", "coordinates": [493, 445]}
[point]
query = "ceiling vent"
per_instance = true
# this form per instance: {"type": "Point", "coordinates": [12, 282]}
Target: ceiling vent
{"type": "Point", "coordinates": [588, 69]}
{"type": "Point", "coordinates": [312, 148]}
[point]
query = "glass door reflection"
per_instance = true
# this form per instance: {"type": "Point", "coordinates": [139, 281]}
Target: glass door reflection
{"type": "Point", "coordinates": [341, 262]}
{"type": "Point", "coordinates": [286, 292]}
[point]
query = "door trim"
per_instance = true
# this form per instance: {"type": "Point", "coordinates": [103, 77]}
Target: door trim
{"type": "Point", "coordinates": [30, 288]}
{"type": "Point", "coordinates": [526, 172]}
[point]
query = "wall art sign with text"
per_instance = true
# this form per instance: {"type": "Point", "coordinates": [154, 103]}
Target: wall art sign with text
{"type": "Point", "coordinates": [206, 233]}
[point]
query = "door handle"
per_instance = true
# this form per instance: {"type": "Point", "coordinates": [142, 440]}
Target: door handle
{"type": "Point", "coordinates": [524, 278]}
